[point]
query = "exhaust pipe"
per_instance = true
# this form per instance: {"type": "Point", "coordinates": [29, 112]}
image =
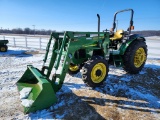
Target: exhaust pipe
{"type": "Point", "coordinates": [98, 23]}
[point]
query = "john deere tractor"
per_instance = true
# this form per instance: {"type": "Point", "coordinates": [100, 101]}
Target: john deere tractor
{"type": "Point", "coordinates": [89, 52]}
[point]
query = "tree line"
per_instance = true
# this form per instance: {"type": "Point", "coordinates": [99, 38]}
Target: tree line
{"type": "Point", "coordinates": [26, 31]}
{"type": "Point", "coordinates": [145, 33]}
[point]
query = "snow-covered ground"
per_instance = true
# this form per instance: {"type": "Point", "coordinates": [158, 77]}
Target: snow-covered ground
{"type": "Point", "coordinates": [123, 96]}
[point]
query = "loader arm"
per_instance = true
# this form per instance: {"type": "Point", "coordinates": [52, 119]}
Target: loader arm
{"type": "Point", "coordinates": [63, 55]}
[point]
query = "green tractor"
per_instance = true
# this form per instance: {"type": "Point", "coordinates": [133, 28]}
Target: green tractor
{"type": "Point", "coordinates": [89, 52]}
{"type": "Point", "coordinates": [3, 45]}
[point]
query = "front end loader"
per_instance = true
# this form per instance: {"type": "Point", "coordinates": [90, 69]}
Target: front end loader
{"type": "Point", "coordinates": [68, 48]}
{"type": "Point", "coordinates": [89, 51]}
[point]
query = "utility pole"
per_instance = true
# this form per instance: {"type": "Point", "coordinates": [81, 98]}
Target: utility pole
{"type": "Point", "coordinates": [34, 29]}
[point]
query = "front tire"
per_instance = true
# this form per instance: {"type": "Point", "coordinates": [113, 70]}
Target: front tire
{"type": "Point", "coordinates": [135, 57]}
{"type": "Point", "coordinates": [73, 69]}
{"type": "Point", "coordinates": [95, 71]}
{"type": "Point", "coordinates": [3, 48]}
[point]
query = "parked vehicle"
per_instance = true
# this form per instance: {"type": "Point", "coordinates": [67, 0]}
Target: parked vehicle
{"type": "Point", "coordinates": [3, 45]}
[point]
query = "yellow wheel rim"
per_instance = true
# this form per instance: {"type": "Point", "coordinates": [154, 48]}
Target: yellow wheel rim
{"type": "Point", "coordinates": [139, 58]}
{"type": "Point", "coordinates": [3, 49]}
{"type": "Point", "coordinates": [98, 73]}
{"type": "Point", "coordinates": [73, 67]}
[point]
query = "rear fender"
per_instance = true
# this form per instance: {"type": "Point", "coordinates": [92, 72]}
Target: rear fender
{"type": "Point", "coordinates": [3, 42]}
{"type": "Point", "coordinates": [132, 38]}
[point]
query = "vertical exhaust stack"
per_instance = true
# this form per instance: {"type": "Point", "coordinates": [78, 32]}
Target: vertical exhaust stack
{"type": "Point", "coordinates": [98, 23]}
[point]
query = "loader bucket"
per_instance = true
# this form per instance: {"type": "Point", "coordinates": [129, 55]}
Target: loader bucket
{"type": "Point", "coordinates": [41, 94]}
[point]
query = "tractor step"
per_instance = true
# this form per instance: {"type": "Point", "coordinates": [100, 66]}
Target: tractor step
{"type": "Point", "coordinates": [115, 52]}
{"type": "Point", "coordinates": [118, 62]}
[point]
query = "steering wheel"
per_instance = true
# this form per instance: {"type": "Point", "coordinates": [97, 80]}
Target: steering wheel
{"type": "Point", "coordinates": [106, 30]}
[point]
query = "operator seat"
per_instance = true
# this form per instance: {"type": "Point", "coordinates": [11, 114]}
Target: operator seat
{"type": "Point", "coordinates": [117, 35]}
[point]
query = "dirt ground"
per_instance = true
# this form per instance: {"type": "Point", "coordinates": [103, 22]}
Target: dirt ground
{"type": "Point", "coordinates": [121, 97]}
{"type": "Point", "coordinates": [116, 104]}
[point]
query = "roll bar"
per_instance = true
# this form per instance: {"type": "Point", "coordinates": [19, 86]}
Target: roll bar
{"type": "Point", "coordinates": [131, 19]}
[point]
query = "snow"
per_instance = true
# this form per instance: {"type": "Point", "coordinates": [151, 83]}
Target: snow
{"type": "Point", "coordinates": [24, 93]}
{"type": "Point", "coordinates": [43, 114]}
{"type": "Point", "coordinates": [153, 44]}
{"type": "Point", "coordinates": [152, 65]}
{"type": "Point", "coordinates": [26, 102]}
{"type": "Point", "coordinates": [118, 83]}
{"type": "Point", "coordinates": [125, 79]}
{"type": "Point", "coordinates": [150, 98]}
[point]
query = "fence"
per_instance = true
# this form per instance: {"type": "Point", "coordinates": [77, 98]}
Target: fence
{"type": "Point", "coordinates": [38, 42]}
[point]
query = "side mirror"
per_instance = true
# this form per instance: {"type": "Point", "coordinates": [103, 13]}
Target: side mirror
{"type": "Point", "coordinates": [111, 29]}
{"type": "Point", "coordinates": [132, 28]}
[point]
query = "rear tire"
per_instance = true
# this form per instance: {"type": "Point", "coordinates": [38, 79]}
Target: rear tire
{"type": "Point", "coordinates": [135, 57]}
{"type": "Point", "coordinates": [95, 71]}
